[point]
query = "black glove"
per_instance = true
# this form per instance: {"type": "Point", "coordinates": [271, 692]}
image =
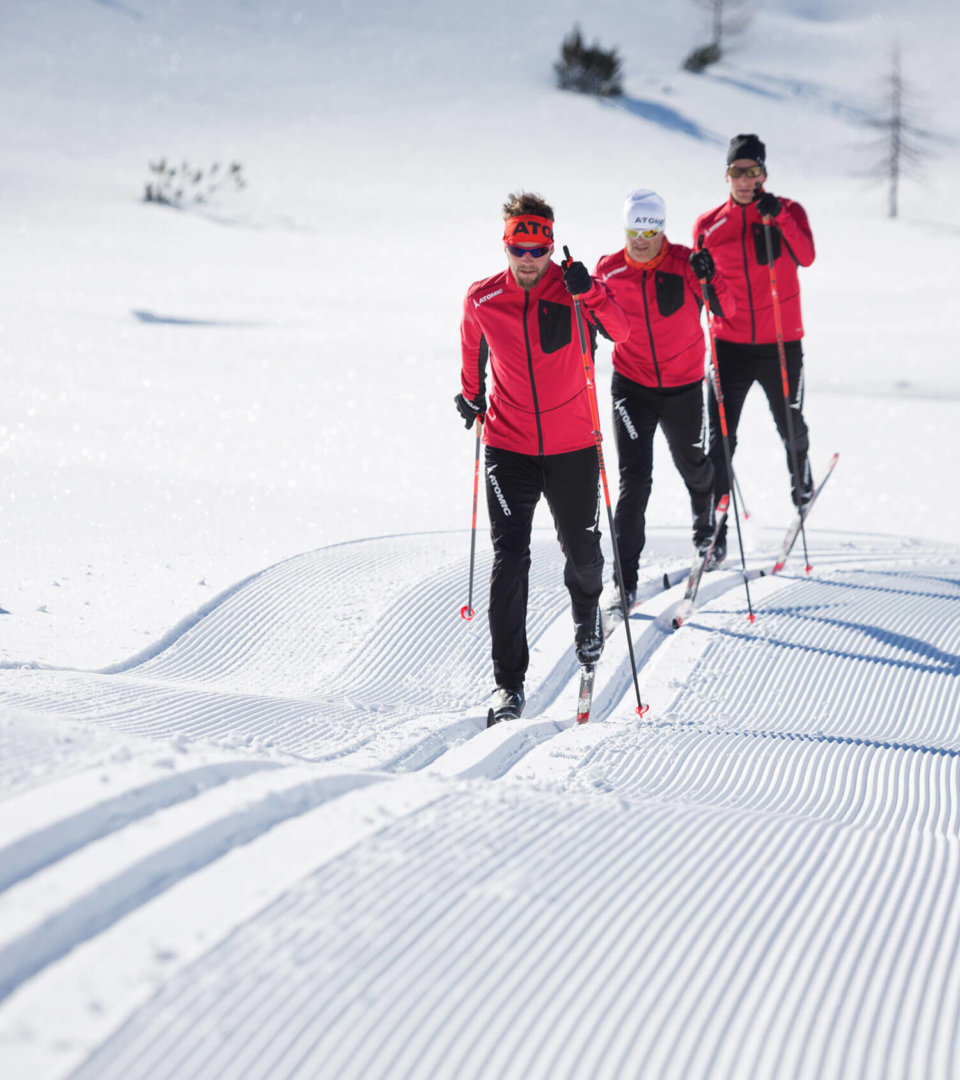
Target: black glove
{"type": "Point", "coordinates": [768, 204]}
{"type": "Point", "coordinates": [470, 410]}
{"type": "Point", "coordinates": [701, 262]}
{"type": "Point", "coordinates": [577, 278]}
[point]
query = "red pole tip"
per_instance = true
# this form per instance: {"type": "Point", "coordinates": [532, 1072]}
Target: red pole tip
{"type": "Point", "coordinates": [466, 612]}
{"type": "Point", "coordinates": [642, 710]}
{"type": "Point", "coordinates": [752, 618]}
{"type": "Point", "coordinates": [809, 568]}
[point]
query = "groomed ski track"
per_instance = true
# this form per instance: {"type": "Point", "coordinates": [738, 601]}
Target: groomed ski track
{"type": "Point", "coordinates": [283, 844]}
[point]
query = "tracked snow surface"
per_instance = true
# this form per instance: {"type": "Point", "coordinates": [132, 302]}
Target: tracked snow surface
{"type": "Point", "coordinates": [252, 824]}
{"type": "Point", "coordinates": [307, 859]}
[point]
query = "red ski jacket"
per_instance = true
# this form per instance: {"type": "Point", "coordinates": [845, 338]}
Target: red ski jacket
{"type": "Point", "coordinates": [734, 235]}
{"type": "Point", "coordinates": [662, 300]}
{"type": "Point", "coordinates": [538, 401]}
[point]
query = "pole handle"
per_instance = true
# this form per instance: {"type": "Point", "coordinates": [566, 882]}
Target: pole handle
{"type": "Point", "coordinates": [568, 259]}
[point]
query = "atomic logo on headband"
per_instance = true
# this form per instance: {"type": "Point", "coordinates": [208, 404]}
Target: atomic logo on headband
{"type": "Point", "coordinates": [528, 227]}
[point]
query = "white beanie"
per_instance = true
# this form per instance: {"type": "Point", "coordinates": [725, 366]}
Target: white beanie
{"type": "Point", "coordinates": [644, 209]}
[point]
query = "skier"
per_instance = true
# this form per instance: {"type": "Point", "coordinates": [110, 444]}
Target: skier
{"type": "Point", "coordinates": [537, 430]}
{"type": "Point", "coordinates": [746, 337]}
{"type": "Point", "coordinates": [658, 372]}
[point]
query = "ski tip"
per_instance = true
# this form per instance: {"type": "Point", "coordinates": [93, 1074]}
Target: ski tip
{"type": "Point", "coordinates": [582, 718]}
{"type": "Point", "coordinates": [466, 612]}
{"type": "Point", "coordinates": [777, 567]}
{"type": "Point", "coordinates": [677, 623]}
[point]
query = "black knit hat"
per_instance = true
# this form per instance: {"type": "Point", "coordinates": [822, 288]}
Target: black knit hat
{"type": "Point", "coordinates": [746, 146]}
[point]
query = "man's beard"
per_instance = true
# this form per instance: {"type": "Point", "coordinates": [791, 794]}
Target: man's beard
{"type": "Point", "coordinates": [527, 283]}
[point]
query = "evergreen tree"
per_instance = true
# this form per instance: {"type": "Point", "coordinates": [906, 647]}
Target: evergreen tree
{"type": "Point", "coordinates": [588, 69]}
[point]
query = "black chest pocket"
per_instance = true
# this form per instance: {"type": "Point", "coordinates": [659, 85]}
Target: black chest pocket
{"type": "Point", "coordinates": [669, 289]}
{"type": "Point", "coordinates": [760, 243]}
{"type": "Point", "coordinates": [556, 331]}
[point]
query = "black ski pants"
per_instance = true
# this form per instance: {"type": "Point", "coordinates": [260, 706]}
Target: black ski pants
{"type": "Point", "coordinates": [637, 412]}
{"type": "Point", "coordinates": [740, 366]}
{"type": "Point", "coordinates": [514, 484]}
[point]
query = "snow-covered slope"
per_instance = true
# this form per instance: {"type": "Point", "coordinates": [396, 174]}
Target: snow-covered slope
{"type": "Point", "coordinates": [191, 397]}
{"type": "Point", "coordinates": [291, 861]}
{"type": "Point", "coordinates": [251, 823]}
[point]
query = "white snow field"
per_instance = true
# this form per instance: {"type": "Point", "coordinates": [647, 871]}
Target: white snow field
{"type": "Point", "coordinates": [252, 824]}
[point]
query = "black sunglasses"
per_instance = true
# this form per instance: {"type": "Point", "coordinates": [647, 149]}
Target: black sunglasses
{"type": "Point", "coordinates": [535, 253]}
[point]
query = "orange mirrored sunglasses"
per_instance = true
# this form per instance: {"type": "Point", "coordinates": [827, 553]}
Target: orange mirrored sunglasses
{"type": "Point", "coordinates": [753, 171]}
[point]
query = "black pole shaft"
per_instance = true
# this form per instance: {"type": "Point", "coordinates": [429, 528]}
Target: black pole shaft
{"type": "Point", "coordinates": [473, 530]}
{"type": "Point", "coordinates": [731, 476]}
{"type": "Point", "coordinates": [728, 458]}
{"type": "Point", "coordinates": [598, 438]}
{"type": "Point", "coordinates": [785, 380]}
{"type": "Point", "coordinates": [466, 612]}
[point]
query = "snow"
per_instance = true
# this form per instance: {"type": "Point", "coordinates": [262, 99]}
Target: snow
{"type": "Point", "coordinates": [251, 823]}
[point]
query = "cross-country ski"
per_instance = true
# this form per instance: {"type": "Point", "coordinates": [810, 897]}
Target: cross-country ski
{"type": "Point", "coordinates": [585, 696]}
{"type": "Point", "coordinates": [790, 538]}
{"type": "Point", "coordinates": [699, 565]}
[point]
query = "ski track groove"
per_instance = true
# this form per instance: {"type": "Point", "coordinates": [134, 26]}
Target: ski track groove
{"type": "Point", "coordinates": [42, 846]}
{"type": "Point", "coordinates": [39, 924]}
{"type": "Point", "coordinates": [754, 882]}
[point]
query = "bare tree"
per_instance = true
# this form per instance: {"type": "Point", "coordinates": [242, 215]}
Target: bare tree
{"type": "Point", "coordinates": [727, 18]}
{"type": "Point", "coordinates": [902, 141]}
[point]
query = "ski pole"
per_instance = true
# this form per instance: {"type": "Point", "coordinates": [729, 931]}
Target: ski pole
{"type": "Point", "coordinates": [743, 502]}
{"type": "Point", "coordinates": [466, 612]}
{"type": "Point", "coordinates": [722, 413]}
{"type": "Point", "coordinates": [784, 378]}
{"type": "Point", "coordinates": [598, 438]}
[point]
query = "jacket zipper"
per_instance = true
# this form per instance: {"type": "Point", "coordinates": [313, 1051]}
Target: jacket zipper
{"type": "Point", "coordinates": [646, 312]}
{"type": "Point", "coordinates": [746, 272]}
{"type": "Point", "coordinates": [533, 381]}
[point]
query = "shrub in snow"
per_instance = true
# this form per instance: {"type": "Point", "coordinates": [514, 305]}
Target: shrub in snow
{"type": "Point", "coordinates": [180, 185]}
{"type": "Point", "coordinates": [702, 57]}
{"type": "Point", "coordinates": [588, 69]}
{"type": "Point", "coordinates": [727, 17]}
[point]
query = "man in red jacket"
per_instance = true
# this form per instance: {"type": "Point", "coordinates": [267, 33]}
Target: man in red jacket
{"type": "Point", "coordinates": [538, 430]}
{"type": "Point", "coordinates": [746, 337]}
{"type": "Point", "coordinates": [658, 371]}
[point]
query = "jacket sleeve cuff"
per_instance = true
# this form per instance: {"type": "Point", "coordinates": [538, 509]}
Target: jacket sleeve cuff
{"type": "Point", "coordinates": [595, 296]}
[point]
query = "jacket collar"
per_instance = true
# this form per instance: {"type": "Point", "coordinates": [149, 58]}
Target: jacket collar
{"type": "Point", "coordinates": [653, 263]}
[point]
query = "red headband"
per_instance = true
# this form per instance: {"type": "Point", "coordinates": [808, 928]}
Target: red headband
{"type": "Point", "coordinates": [529, 228]}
